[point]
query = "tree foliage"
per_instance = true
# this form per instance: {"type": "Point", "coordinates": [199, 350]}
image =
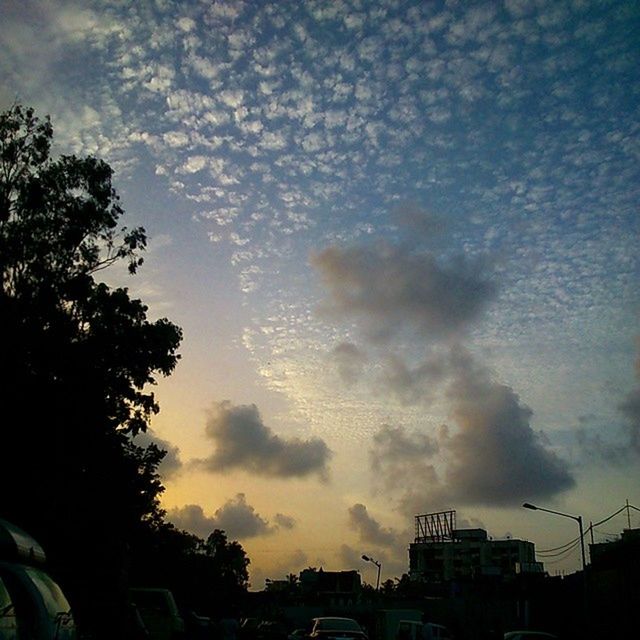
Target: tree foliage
{"type": "Point", "coordinates": [78, 359]}
{"type": "Point", "coordinates": [210, 576]}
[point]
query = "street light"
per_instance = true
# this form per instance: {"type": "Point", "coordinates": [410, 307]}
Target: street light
{"type": "Point", "coordinates": [378, 564]}
{"type": "Point", "coordinates": [578, 519]}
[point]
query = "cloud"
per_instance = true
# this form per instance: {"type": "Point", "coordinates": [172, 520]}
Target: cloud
{"type": "Point", "coordinates": [369, 529]}
{"type": "Point", "coordinates": [244, 442]}
{"type": "Point", "coordinates": [413, 385]}
{"type": "Point", "coordinates": [393, 564]}
{"type": "Point", "coordinates": [293, 562]}
{"type": "Point", "coordinates": [630, 408]}
{"type": "Point", "coordinates": [349, 557]}
{"type": "Point", "coordinates": [350, 361]}
{"type": "Point", "coordinates": [497, 458]}
{"type": "Point", "coordinates": [418, 223]}
{"type": "Point", "coordinates": [399, 458]}
{"type": "Point", "coordinates": [391, 289]}
{"type": "Point", "coordinates": [493, 456]}
{"type": "Point", "coordinates": [600, 449]}
{"type": "Point", "coordinates": [171, 464]}
{"type": "Point", "coordinates": [236, 518]}
{"type": "Point", "coordinates": [284, 522]}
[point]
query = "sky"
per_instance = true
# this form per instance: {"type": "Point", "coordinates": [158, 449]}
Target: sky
{"type": "Point", "coordinates": [401, 238]}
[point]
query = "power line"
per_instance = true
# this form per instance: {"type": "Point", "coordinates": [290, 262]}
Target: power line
{"type": "Point", "coordinates": [568, 550]}
{"type": "Point", "coordinates": [570, 546]}
{"type": "Point", "coordinates": [575, 540]}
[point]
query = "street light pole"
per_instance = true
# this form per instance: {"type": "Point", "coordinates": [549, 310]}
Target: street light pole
{"type": "Point", "coordinates": [378, 564]}
{"type": "Point", "coordinates": [578, 519]}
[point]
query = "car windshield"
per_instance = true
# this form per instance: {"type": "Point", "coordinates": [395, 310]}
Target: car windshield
{"type": "Point", "coordinates": [337, 624]}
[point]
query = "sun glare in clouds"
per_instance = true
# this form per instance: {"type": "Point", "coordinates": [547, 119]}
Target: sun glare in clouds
{"type": "Point", "coordinates": [400, 239]}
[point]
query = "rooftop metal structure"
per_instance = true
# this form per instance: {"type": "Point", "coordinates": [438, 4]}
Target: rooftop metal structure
{"type": "Point", "coordinates": [435, 527]}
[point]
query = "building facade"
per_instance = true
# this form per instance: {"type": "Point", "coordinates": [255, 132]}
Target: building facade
{"type": "Point", "coordinates": [442, 553]}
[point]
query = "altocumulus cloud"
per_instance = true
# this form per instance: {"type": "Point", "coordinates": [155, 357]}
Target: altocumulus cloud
{"type": "Point", "coordinates": [244, 442]}
{"type": "Point", "coordinates": [391, 288]}
{"type": "Point", "coordinates": [237, 518]}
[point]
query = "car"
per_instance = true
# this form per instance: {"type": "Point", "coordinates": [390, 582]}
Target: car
{"type": "Point", "coordinates": [159, 612]}
{"type": "Point", "coordinates": [271, 630]}
{"type": "Point", "coordinates": [32, 604]}
{"type": "Point", "coordinates": [326, 628]}
{"type": "Point", "coordinates": [249, 628]}
{"type": "Point", "coordinates": [529, 635]}
{"type": "Point", "coordinates": [416, 630]}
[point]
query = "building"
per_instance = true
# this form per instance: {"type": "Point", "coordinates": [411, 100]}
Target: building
{"type": "Point", "coordinates": [331, 588]}
{"type": "Point", "coordinates": [443, 553]}
{"type": "Point", "coordinates": [614, 585]}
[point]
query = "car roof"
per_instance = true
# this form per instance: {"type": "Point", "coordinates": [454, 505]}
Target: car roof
{"type": "Point", "coordinates": [333, 618]}
{"type": "Point", "coordinates": [528, 633]}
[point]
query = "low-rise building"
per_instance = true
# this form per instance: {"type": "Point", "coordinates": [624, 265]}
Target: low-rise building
{"type": "Point", "coordinates": [443, 553]}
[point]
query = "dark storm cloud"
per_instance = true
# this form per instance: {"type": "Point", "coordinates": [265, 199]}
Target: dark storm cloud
{"type": "Point", "coordinates": [243, 442]}
{"type": "Point", "coordinates": [350, 361]}
{"type": "Point", "coordinates": [171, 464]}
{"type": "Point", "coordinates": [191, 518]}
{"type": "Point", "coordinates": [369, 529]}
{"type": "Point", "coordinates": [236, 518]}
{"type": "Point", "coordinates": [240, 519]}
{"type": "Point", "coordinates": [399, 458]}
{"type": "Point", "coordinates": [493, 456]}
{"type": "Point", "coordinates": [391, 289]}
{"type": "Point", "coordinates": [413, 385]}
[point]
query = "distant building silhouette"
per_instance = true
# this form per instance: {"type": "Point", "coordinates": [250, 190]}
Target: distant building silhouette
{"type": "Point", "coordinates": [443, 553]}
{"type": "Point", "coordinates": [614, 584]}
{"type": "Point", "coordinates": [337, 588]}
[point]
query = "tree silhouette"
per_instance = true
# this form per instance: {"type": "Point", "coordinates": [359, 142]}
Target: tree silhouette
{"type": "Point", "coordinates": [77, 360]}
{"type": "Point", "coordinates": [229, 561]}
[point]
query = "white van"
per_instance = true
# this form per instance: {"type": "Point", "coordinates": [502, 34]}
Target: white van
{"type": "Point", "coordinates": [32, 605]}
{"type": "Point", "coordinates": [414, 630]}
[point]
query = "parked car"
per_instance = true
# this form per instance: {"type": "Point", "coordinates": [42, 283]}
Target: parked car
{"type": "Point", "coordinates": [159, 613]}
{"type": "Point", "coordinates": [249, 628]}
{"type": "Point", "coordinates": [415, 630]}
{"type": "Point", "coordinates": [529, 635]}
{"type": "Point", "coordinates": [326, 628]}
{"type": "Point", "coordinates": [197, 627]}
{"type": "Point", "coordinates": [32, 605]}
{"type": "Point", "coordinates": [271, 630]}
